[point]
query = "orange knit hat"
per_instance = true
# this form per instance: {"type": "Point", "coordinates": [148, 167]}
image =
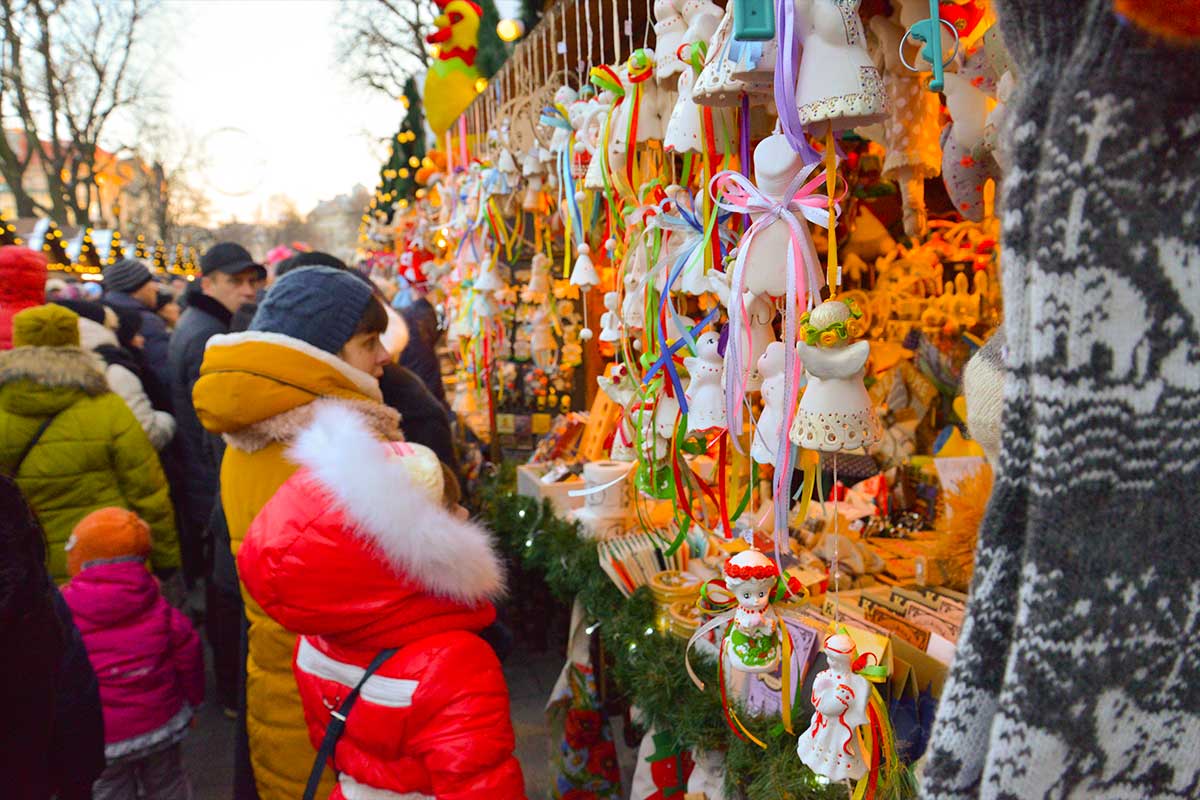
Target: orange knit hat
{"type": "Point", "coordinates": [104, 534]}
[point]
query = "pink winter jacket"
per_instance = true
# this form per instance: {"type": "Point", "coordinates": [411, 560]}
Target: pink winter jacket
{"type": "Point", "coordinates": [146, 654]}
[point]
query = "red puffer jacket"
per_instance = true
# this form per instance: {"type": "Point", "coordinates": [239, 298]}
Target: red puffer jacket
{"type": "Point", "coordinates": [355, 557]}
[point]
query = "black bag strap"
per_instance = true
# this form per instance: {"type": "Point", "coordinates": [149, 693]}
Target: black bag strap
{"type": "Point", "coordinates": [337, 724]}
{"type": "Point", "coordinates": [30, 444]}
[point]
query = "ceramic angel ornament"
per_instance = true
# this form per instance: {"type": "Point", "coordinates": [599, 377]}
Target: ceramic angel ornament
{"type": "Point", "coordinates": [835, 413]}
{"type": "Point", "coordinates": [766, 433]}
{"type": "Point", "coordinates": [838, 85]}
{"type": "Point", "coordinates": [541, 340]}
{"type": "Point", "coordinates": [610, 320]}
{"type": "Point", "coordinates": [706, 385]}
{"type": "Point", "coordinates": [539, 279]}
{"type": "Point", "coordinates": [776, 166]}
{"type": "Point", "coordinates": [830, 746]}
{"type": "Point", "coordinates": [753, 641]}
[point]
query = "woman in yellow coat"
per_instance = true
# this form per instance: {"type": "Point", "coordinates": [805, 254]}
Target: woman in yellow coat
{"type": "Point", "coordinates": [314, 340]}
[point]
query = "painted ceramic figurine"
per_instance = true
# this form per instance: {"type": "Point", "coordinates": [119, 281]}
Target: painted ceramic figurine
{"type": "Point", "coordinates": [760, 313]}
{"type": "Point", "coordinates": [610, 320]}
{"type": "Point", "coordinates": [753, 638]}
{"type": "Point", "coordinates": [835, 412]}
{"type": "Point", "coordinates": [838, 84]}
{"type": "Point", "coordinates": [766, 432]}
{"type": "Point", "coordinates": [706, 389]}
{"type": "Point", "coordinates": [830, 746]}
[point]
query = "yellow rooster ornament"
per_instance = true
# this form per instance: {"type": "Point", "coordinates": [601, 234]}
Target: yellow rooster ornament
{"type": "Point", "coordinates": [450, 85]}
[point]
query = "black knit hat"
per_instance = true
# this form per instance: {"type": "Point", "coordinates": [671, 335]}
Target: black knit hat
{"type": "Point", "coordinates": [129, 325]}
{"type": "Point", "coordinates": [88, 309]}
{"type": "Point", "coordinates": [127, 275]}
{"type": "Point", "coordinates": [314, 259]}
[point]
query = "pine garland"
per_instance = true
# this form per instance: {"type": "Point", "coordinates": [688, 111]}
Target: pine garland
{"type": "Point", "coordinates": [648, 667]}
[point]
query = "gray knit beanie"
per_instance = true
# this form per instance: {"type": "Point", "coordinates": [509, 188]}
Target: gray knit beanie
{"type": "Point", "coordinates": [127, 275]}
{"type": "Point", "coordinates": [318, 305]}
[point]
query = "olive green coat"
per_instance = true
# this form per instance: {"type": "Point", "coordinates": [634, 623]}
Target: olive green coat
{"type": "Point", "coordinates": [93, 455]}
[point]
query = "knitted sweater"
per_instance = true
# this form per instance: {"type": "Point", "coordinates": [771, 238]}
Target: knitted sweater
{"type": "Point", "coordinates": [1078, 670]}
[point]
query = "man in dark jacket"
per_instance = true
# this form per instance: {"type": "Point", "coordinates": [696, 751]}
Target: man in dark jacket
{"type": "Point", "coordinates": [128, 286]}
{"type": "Point", "coordinates": [230, 278]}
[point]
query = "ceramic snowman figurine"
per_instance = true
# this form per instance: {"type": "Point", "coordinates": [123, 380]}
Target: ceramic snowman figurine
{"type": "Point", "coordinates": [766, 433]}
{"type": "Point", "coordinates": [836, 412]}
{"type": "Point", "coordinates": [591, 137]}
{"type": "Point", "coordinates": [760, 312]}
{"type": "Point", "coordinates": [706, 385]}
{"type": "Point", "coordinates": [775, 167]}
{"type": "Point", "coordinates": [610, 320]}
{"type": "Point", "coordinates": [752, 641]}
{"type": "Point", "coordinates": [633, 308]}
{"type": "Point", "coordinates": [564, 98]}
{"type": "Point", "coordinates": [838, 84]}
{"type": "Point", "coordinates": [830, 746]}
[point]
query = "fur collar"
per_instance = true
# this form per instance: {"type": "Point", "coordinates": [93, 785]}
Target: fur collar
{"type": "Point", "coordinates": [66, 367]}
{"type": "Point", "coordinates": [211, 306]}
{"type": "Point", "coordinates": [451, 558]}
{"type": "Point", "coordinates": [383, 421]}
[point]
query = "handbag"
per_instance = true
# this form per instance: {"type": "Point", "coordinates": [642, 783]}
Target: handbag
{"type": "Point", "coordinates": [337, 724]}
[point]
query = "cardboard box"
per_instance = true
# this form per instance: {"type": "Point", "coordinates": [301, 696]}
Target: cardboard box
{"type": "Point", "coordinates": [529, 484]}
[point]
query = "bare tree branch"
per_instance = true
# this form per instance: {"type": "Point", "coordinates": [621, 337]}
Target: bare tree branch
{"type": "Point", "coordinates": [382, 42]}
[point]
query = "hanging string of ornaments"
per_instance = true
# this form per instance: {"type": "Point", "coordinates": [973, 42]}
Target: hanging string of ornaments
{"type": "Point", "coordinates": [698, 178]}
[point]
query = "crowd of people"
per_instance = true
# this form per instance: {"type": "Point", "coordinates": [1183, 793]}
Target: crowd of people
{"type": "Point", "coordinates": [252, 454]}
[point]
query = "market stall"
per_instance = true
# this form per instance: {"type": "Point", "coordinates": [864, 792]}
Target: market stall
{"type": "Point", "coordinates": [711, 276]}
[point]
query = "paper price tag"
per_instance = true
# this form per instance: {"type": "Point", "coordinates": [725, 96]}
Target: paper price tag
{"type": "Point", "coordinates": [629, 28]}
{"type": "Point", "coordinates": [561, 48]}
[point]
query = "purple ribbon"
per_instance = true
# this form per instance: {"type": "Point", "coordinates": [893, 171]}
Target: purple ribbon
{"type": "Point", "coordinates": [786, 64]}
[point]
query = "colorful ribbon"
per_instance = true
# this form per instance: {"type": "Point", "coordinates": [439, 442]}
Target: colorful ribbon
{"type": "Point", "coordinates": [803, 271]}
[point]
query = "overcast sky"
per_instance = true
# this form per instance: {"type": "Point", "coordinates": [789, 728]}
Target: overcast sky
{"type": "Point", "coordinates": [256, 81]}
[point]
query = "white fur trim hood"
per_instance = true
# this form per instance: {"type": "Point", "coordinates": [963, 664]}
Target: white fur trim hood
{"type": "Point", "coordinates": [453, 558]}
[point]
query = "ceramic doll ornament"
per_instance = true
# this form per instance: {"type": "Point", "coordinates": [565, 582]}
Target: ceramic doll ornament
{"type": "Point", "coordinates": [538, 289]}
{"type": "Point", "coordinates": [838, 84]}
{"type": "Point", "coordinates": [766, 433]}
{"type": "Point", "coordinates": [753, 641]}
{"type": "Point", "coordinates": [610, 320]}
{"type": "Point", "coordinates": [706, 387]}
{"type": "Point", "coordinates": [633, 307]}
{"type": "Point", "coordinates": [835, 413]}
{"type": "Point", "coordinates": [489, 280]}
{"type": "Point", "coordinates": [830, 747]}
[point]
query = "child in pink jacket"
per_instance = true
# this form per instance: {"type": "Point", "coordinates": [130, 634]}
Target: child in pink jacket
{"type": "Point", "coordinates": [146, 655]}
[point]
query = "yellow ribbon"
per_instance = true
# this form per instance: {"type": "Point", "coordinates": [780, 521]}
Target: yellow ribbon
{"type": "Point", "coordinates": [832, 276]}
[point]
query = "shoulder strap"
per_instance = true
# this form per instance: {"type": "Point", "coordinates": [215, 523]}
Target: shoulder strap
{"type": "Point", "coordinates": [30, 444]}
{"type": "Point", "coordinates": [337, 724]}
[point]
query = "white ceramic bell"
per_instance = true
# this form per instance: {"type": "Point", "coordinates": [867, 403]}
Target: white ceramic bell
{"type": "Point", "coordinates": [830, 747]}
{"type": "Point", "coordinates": [633, 309]}
{"type": "Point", "coordinates": [706, 386]}
{"type": "Point", "coordinates": [508, 167]}
{"type": "Point", "coordinates": [766, 433]}
{"type": "Point", "coordinates": [835, 413]}
{"type": "Point", "coordinates": [584, 274]}
{"type": "Point", "coordinates": [838, 84]}
{"type": "Point", "coordinates": [775, 167]}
